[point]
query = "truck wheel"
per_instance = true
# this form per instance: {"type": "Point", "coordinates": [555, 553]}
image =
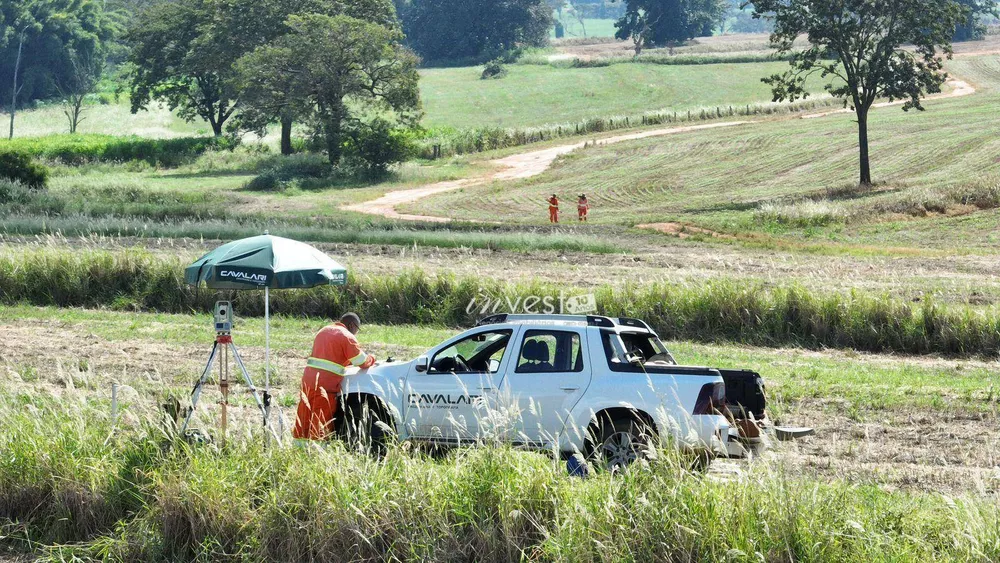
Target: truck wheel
{"type": "Point", "coordinates": [368, 430]}
{"type": "Point", "coordinates": [620, 442]}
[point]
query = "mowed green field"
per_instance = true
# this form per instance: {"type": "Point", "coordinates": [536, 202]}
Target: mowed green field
{"type": "Point", "coordinates": [541, 94]}
{"type": "Point", "coordinates": [531, 95]}
{"type": "Point", "coordinates": [771, 176]}
{"type": "Point", "coordinates": [591, 27]}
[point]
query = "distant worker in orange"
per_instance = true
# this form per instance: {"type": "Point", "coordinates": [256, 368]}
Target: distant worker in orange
{"type": "Point", "coordinates": [334, 348]}
{"type": "Point", "coordinates": [582, 207]}
{"type": "Point", "coordinates": [553, 209]}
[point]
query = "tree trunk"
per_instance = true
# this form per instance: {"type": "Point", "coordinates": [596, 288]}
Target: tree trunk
{"type": "Point", "coordinates": [13, 96]}
{"type": "Point", "coordinates": [334, 132]}
{"type": "Point", "coordinates": [866, 169]}
{"type": "Point", "coordinates": [217, 127]}
{"type": "Point", "coordinates": [286, 136]}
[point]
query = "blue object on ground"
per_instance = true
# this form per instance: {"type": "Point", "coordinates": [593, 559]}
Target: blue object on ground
{"type": "Point", "coordinates": [577, 466]}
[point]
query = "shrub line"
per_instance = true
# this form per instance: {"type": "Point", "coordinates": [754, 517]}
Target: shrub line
{"type": "Point", "coordinates": [717, 311]}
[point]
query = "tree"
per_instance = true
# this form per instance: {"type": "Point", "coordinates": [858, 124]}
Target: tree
{"type": "Point", "coordinates": [37, 40]}
{"type": "Point", "coordinates": [972, 28]}
{"type": "Point", "coordinates": [86, 73]}
{"type": "Point", "coordinates": [452, 30]}
{"type": "Point", "coordinates": [638, 28]}
{"type": "Point", "coordinates": [15, 87]}
{"type": "Point", "coordinates": [249, 24]}
{"type": "Point", "coordinates": [176, 58]}
{"type": "Point", "coordinates": [860, 43]}
{"type": "Point", "coordinates": [668, 22]}
{"type": "Point", "coordinates": [741, 19]}
{"type": "Point", "coordinates": [328, 68]}
{"type": "Point", "coordinates": [581, 11]}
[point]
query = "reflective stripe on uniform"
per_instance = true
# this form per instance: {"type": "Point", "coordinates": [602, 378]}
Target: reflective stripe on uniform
{"type": "Point", "coordinates": [326, 365]}
{"type": "Point", "coordinates": [359, 359]}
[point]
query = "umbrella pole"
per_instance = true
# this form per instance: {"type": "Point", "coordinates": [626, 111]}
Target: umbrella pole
{"type": "Point", "coordinates": [267, 356]}
{"type": "Point", "coordinates": [267, 340]}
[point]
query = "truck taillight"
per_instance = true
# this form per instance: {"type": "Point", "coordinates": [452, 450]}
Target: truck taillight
{"type": "Point", "coordinates": [711, 399]}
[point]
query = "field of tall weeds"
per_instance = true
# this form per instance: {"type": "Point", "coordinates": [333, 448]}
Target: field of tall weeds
{"type": "Point", "coordinates": [73, 484]}
{"type": "Point", "coordinates": [726, 310]}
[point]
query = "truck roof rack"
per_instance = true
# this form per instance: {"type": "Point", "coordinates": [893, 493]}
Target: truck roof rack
{"type": "Point", "coordinates": [590, 320]}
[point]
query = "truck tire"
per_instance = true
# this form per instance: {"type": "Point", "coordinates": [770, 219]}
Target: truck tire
{"type": "Point", "coordinates": [619, 442]}
{"type": "Point", "coordinates": [367, 430]}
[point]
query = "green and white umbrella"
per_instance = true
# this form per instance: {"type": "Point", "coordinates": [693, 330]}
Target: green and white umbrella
{"type": "Point", "coordinates": [266, 262]}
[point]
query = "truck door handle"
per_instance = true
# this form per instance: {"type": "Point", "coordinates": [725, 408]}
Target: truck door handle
{"type": "Point", "coordinates": [487, 388]}
{"type": "Point", "coordinates": [569, 388]}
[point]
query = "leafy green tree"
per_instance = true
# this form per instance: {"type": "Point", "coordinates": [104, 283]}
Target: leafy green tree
{"type": "Point", "coordinates": [176, 56]}
{"type": "Point", "coordinates": [328, 68]}
{"type": "Point", "coordinates": [38, 39]}
{"type": "Point", "coordinates": [973, 28]}
{"type": "Point", "coordinates": [860, 44]}
{"type": "Point", "coordinates": [454, 30]}
{"type": "Point", "coordinates": [654, 23]}
{"type": "Point", "coordinates": [249, 24]}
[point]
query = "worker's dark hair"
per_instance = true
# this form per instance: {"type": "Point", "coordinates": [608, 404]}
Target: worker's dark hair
{"type": "Point", "coordinates": [351, 319]}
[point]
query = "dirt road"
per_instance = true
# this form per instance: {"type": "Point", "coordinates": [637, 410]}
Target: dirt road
{"type": "Point", "coordinates": [515, 167]}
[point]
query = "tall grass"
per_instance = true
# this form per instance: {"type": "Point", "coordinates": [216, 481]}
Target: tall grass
{"type": "Point", "coordinates": [726, 310]}
{"type": "Point", "coordinates": [134, 498]}
{"type": "Point", "coordinates": [190, 217]}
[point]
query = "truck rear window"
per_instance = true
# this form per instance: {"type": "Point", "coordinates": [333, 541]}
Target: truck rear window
{"type": "Point", "coordinates": [622, 348]}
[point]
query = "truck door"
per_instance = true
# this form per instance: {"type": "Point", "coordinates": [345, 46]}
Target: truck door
{"type": "Point", "coordinates": [547, 377]}
{"type": "Point", "coordinates": [449, 400]}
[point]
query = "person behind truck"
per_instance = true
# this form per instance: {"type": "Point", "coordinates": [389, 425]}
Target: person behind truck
{"type": "Point", "coordinates": [582, 207]}
{"type": "Point", "coordinates": [553, 209]}
{"type": "Point", "coordinates": [334, 349]}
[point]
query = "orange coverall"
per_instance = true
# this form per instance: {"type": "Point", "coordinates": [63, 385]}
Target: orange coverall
{"type": "Point", "coordinates": [582, 207]}
{"type": "Point", "coordinates": [553, 209]}
{"type": "Point", "coordinates": [333, 350]}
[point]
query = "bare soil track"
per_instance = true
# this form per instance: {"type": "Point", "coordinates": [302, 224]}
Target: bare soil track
{"type": "Point", "coordinates": [533, 163]}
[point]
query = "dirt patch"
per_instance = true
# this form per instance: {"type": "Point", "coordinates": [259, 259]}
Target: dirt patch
{"type": "Point", "coordinates": [681, 230]}
{"type": "Point", "coordinates": [913, 450]}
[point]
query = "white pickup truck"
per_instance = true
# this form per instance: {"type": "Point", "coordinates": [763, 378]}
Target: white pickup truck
{"type": "Point", "coordinates": [594, 385]}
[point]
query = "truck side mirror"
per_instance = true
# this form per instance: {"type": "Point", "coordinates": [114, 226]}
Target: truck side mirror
{"type": "Point", "coordinates": [420, 364]}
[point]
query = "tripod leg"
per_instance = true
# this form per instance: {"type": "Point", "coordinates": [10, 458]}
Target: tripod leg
{"type": "Point", "coordinates": [196, 392]}
{"type": "Point", "coordinates": [253, 389]}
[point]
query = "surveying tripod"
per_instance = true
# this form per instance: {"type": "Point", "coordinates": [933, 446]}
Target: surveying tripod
{"type": "Point", "coordinates": [224, 340]}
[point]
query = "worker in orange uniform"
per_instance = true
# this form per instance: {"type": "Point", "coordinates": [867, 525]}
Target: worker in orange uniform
{"type": "Point", "coordinates": [582, 207]}
{"type": "Point", "coordinates": [553, 209]}
{"type": "Point", "coordinates": [334, 348]}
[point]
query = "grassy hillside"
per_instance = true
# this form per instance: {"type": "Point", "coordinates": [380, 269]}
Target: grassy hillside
{"type": "Point", "coordinates": [530, 95]}
{"type": "Point", "coordinates": [790, 176]}
{"type": "Point", "coordinates": [542, 94]}
{"type": "Point", "coordinates": [113, 118]}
